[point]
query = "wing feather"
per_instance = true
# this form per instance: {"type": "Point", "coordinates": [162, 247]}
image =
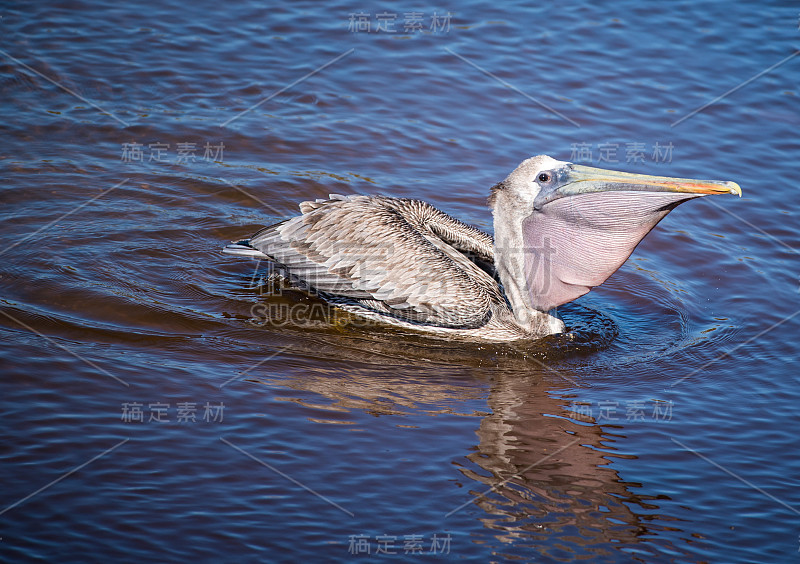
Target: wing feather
{"type": "Point", "coordinates": [399, 256]}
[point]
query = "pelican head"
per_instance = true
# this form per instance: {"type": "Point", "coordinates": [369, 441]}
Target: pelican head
{"type": "Point", "coordinates": [563, 228]}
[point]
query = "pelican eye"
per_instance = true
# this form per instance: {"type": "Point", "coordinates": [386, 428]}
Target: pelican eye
{"type": "Point", "coordinates": [544, 177]}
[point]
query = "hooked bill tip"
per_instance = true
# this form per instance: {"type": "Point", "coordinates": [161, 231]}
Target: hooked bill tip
{"type": "Point", "coordinates": [734, 188]}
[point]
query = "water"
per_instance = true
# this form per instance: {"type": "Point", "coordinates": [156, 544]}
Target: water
{"type": "Point", "coordinates": [667, 433]}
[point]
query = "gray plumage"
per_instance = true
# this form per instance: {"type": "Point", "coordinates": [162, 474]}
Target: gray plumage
{"type": "Point", "coordinates": [398, 260]}
{"type": "Point", "coordinates": [406, 263]}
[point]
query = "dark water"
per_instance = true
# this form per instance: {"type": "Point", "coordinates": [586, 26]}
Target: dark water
{"type": "Point", "coordinates": [667, 433]}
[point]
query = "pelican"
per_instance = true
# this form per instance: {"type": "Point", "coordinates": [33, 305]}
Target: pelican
{"type": "Point", "coordinates": [560, 229]}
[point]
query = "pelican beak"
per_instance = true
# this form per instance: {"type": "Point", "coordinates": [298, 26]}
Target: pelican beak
{"type": "Point", "coordinates": [574, 179]}
{"type": "Point", "coordinates": [595, 218]}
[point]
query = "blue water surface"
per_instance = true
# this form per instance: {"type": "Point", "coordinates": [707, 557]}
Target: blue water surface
{"type": "Point", "coordinates": [151, 411]}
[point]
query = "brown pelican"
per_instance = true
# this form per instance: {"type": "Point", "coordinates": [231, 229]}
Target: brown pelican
{"type": "Point", "coordinates": [559, 230]}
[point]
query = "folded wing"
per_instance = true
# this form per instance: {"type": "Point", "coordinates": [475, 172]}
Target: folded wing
{"type": "Point", "coordinates": [397, 256]}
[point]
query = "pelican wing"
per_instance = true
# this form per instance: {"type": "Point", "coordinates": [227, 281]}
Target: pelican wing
{"type": "Point", "coordinates": [399, 256]}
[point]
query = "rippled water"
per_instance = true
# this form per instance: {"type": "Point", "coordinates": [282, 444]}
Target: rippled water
{"type": "Point", "coordinates": [138, 139]}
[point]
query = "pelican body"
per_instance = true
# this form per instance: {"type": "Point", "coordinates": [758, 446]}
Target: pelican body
{"type": "Point", "coordinates": [560, 229]}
